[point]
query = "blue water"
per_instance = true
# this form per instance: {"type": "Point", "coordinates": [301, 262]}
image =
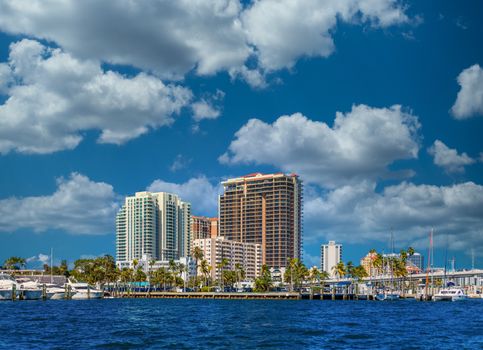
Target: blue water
{"type": "Point", "coordinates": [240, 324]}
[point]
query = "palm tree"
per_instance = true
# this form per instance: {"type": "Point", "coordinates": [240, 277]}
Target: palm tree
{"type": "Point", "coordinates": [264, 282]}
{"type": "Point", "coordinates": [197, 254]}
{"type": "Point", "coordinates": [339, 269]}
{"type": "Point", "coordinates": [239, 272]}
{"type": "Point", "coordinates": [205, 270]}
{"type": "Point", "coordinates": [349, 267]}
{"type": "Point", "coordinates": [14, 263]}
{"type": "Point", "coordinates": [172, 269]}
{"type": "Point", "coordinates": [378, 262]}
{"type": "Point", "coordinates": [223, 263]}
{"type": "Point", "coordinates": [411, 251]}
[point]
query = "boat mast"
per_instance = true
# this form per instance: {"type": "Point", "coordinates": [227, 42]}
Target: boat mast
{"type": "Point", "coordinates": [432, 263]}
{"type": "Point", "coordinates": [391, 262]}
{"type": "Point", "coordinates": [51, 265]}
{"type": "Point", "coordinates": [429, 263]}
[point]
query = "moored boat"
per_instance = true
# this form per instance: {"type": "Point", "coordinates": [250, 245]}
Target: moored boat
{"type": "Point", "coordinates": [450, 294]}
{"type": "Point", "coordinates": [54, 292]}
{"type": "Point", "coordinates": [387, 296]}
{"type": "Point", "coordinates": [29, 290]}
{"type": "Point", "coordinates": [8, 286]}
{"type": "Point", "coordinates": [82, 291]}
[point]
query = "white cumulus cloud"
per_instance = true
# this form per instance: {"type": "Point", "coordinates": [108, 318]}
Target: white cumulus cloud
{"type": "Point", "coordinates": [448, 158]}
{"type": "Point", "coordinates": [78, 206]}
{"type": "Point", "coordinates": [356, 213]}
{"type": "Point", "coordinates": [56, 97]}
{"type": "Point", "coordinates": [199, 191]}
{"type": "Point", "coordinates": [282, 31]}
{"type": "Point", "coordinates": [167, 37]}
{"type": "Point", "coordinates": [173, 38]}
{"type": "Point", "coordinates": [469, 101]}
{"type": "Point", "coordinates": [360, 145]}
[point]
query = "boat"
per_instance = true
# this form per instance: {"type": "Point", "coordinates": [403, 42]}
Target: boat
{"type": "Point", "coordinates": [450, 294]}
{"type": "Point", "coordinates": [387, 296]}
{"type": "Point", "coordinates": [81, 291]}
{"type": "Point", "coordinates": [29, 290]}
{"type": "Point", "coordinates": [8, 286]}
{"type": "Point", "coordinates": [54, 292]}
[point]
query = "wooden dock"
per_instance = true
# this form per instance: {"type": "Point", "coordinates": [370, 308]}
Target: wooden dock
{"type": "Point", "coordinates": [201, 295]}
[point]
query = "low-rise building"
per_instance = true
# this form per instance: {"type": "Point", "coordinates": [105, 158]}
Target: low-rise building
{"type": "Point", "coordinates": [147, 264]}
{"type": "Point", "coordinates": [247, 255]}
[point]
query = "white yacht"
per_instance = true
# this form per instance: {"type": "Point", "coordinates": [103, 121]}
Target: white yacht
{"type": "Point", "coordinates": [29, 290]}
{"type": "Point", "coordinates": [7, 286]}
{"type": "Point", "coordinates": [84, 291]}
{"type": "Point", "coordinates": [450, 294]}
{"type": "Point", "coordinates": [54, 292]}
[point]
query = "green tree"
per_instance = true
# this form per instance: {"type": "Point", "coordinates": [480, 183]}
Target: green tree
{"type": "Point", "coordinates": [126, 275]}
{"type": "Point", "coordinates": [359, 272]}
{"type": "Point", "coordinates": [411, 251]}
{"type": "Point", "coordinates": [205, 270]}
{"type": "Point", "coordinates": [229, 278]}
{"type": "Point", "coordinates": [15, 263]}
{"type": "Point", "coordinates": [139, 275]}
{"type": "Point", "coordinates": [197, 254]}
{"type": "Point", "coordinates": [339, 270]}
{"type": "Point", "coordinates": [221, 265]}
{"type": "Point", "coordinates": [239, 272]}
{"type": "Point", "coordinates": [295, 273]}
{"type": "Point", "coordinates": [349, 268]}
{"type": "Point", "coordinates": [264, 282]}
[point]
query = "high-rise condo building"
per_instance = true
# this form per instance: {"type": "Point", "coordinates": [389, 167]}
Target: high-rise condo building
{"type": "Point", "coordinates": [330, 255]}
{"type": "Point", "coordinates": [203, 227]}
{"type": "Point", "coordinates": [266, 210]}
{"type": "Point", "coordinates": [248, 256]}
{"type": "Point", "coordinates": [154, 224]}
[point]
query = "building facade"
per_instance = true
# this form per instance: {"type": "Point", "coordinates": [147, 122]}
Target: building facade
{"type": "Point", "coordinates": [157, 225]}
{"type": "Point", "coordinates": [147, 265]}
{"type": "Point", "coordinates": [367, 263]}
{"type": "Point", "coordinates": [416, 260]}
{"type": "Point", "coordinates": [247, 255]}
{"type": "Point", "coordinates": [330, 255]}
{"type": "Point", "coordinates": [203, 227]}
{"type": "Point", "coordinates": [265, 210]}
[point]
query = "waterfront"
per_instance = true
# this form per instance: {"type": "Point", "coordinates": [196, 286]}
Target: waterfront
{"type": "Point", "coordinates": [217, 324]}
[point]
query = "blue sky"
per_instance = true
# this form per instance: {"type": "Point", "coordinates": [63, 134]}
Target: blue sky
{"type": "Point", "coordinates": [376, 105]}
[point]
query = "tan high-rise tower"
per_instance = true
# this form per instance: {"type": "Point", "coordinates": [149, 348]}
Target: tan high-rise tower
{"type": "Point", "coordinates": [264, 209]}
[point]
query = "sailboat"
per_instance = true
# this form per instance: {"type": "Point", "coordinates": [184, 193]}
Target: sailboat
{"type": "Point", "coordinates": [389, 294]}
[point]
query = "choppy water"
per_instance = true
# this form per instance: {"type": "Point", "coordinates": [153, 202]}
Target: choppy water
{"type": "Point", "coordinates": [219, 324]}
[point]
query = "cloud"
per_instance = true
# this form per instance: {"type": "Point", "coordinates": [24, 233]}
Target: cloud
{"type": "Point", "coordinates": [469, 101]}
{"type": "Point", "coordinates": [173, 38]}
{"type": "Point", "coordinates": [57, 97]}
{"type": "Point", "coordinates": [41, 258]}
{"type": "Point", "coordinates": [169, 38]}
{"type": "Point", "coordinates": [360, 145]}
{"type": "Point", "coordinates": [356, 213]}
{"type": "Point", "coordinates": [208, 107]}
{"type": "Point", "coordinates": [78, 206]}
{"type": "Point", "coordinates": [282, 31]}
{"type": "Point", "coordinates": [448, 158]}
{"type": "Point", "coordinates": [199, 191]}
{"type": "Point", "coordinates": [180, 162]}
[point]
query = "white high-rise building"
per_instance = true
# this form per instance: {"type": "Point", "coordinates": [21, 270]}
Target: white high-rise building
{"type": "Point", "coordinates": [155, 225]}
{"type": "Point", "coordinates": [330, 255]}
